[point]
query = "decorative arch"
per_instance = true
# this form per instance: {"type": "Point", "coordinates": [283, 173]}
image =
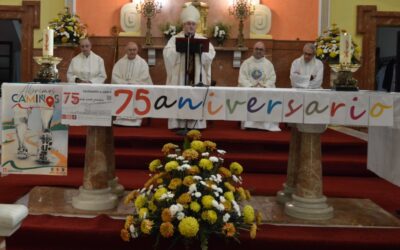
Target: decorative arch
{"type": "Point", "coordinates": [368, 20]}
{"type": "Point", "coordinates": [29, 16]}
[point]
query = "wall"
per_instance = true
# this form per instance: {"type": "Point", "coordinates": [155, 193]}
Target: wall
{"type": "Point", "coordinates": [288, 17]}
{"type": "Point", "coordinates": [344, 13]}
{"type": "Point", "coordinates": [48, 10]}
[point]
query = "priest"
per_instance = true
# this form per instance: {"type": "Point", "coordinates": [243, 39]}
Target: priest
{"type": "Point", "coordinates": [175, 64]}
{"type": "Point", "coordinates": [307, 71]}
{"type": "Point", "coordinates": [86, 67]}
{"type": "Point", "coordinates": [131, 69]}
{"type": "Point", "coordinates": [258, 72]}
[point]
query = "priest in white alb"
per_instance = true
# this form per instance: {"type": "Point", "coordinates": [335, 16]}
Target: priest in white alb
{"type": "Point", "coordinates": [131, 69]}
{"type": "Point", "coordinates": [258, 72]}
{"type": "Point", "coordinates": [307, 72]}
{"type": "Point", "coordinates": [86, 67]}
{"type": "Point", "coordinates": [176, 67]}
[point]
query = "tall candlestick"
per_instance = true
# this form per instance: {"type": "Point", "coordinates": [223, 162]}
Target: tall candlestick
{"type": "Point", "coordinates": [48, 42]}
{"type": "Point", "coordinates": [345, 48]}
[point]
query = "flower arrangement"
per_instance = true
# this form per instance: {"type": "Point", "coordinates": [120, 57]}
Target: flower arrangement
{"type": "Point", "coordinates": [328, 46]}
{"type": "Point", "coordinates": [220, 32]}
{"type": "Point", "coordinates": [67, 28]}
{"type": "Point", "coordinates": [190, 196]}
{"type": "Point", "coordinates": [170, 30]}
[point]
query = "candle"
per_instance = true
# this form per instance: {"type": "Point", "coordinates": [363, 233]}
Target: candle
{"type": "Point", "coordinates": [48, 42]}
{"type": "Point", "coordinates": [345, 48]}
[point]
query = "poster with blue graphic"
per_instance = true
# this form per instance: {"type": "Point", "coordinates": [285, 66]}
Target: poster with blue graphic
{"type": "Point", "coordinates": [33, 139]}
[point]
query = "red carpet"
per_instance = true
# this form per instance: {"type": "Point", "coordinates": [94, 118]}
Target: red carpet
{"type": "Point", "coordinates": [264, 156]}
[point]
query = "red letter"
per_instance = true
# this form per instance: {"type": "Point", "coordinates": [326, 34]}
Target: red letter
{"type": "Point", "coordinates": [140, 95]}
{"type": "Point", "coordinates": [292, 110]}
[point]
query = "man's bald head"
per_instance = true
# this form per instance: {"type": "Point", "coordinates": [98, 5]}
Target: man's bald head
{"type": "Point", "coordinates": [85, 46]}
{"type": "Point", "coordinates": [131, 49]}
{"type": "Point", "coordinates": [259, 50]}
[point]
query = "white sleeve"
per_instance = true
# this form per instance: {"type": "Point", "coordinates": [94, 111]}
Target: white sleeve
{"type": "Point", "coordinates": [117, 75]}
{"type": "Point", "coordinates": [101, 76]}
{"type": "Point", "coordinates": [318, 74]}
{"type": "Point", "coordinates": [244, 80]}
{"type": "Point", "coordinates": [145, 74]}
{"type": "Point", "coordinates": [270, 78]}
{"type": "Point", "coordinates": [298, 80]}
{"type": "Point", "coordinates": [171, 57]}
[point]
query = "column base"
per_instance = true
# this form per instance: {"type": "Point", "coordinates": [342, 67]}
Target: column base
{"type": "Point", "coordinates": [116, 188]}
{"type": "Point", "coordinates": [284, 195]}
{"type": "Point", "coordinates": [309, 209]}
{"type": "Point", "coordinates": [2, 243]}
{"type": "Point", "coordinates": [95, 200]}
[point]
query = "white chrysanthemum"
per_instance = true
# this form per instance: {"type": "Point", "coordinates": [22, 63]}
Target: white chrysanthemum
{"type": "Point", "coordinates": [197, 194]}
{"type": "Point", "coordinates": [192, 188]}
{"type": "Point", "coordinates": [222, 199]}
{"type": "Point", "coordinates": [213, 159]}
{"type": "Point", "coordinates": [221, 151]}
{"type": "Point", "coordinates": [205, 154]}
{"type": "Point", "coordinates": [236, 207]}
{"type": "Point", "coordinates": [216, 194]}
{"type": "Point", "coordinates": [197, 178]}
{"type": "Point", "coordinates": [180, 215]}
{"type": "Point", "coordinates": [172, 155]}
{"type": "Point", "coordinates": [226, 217]}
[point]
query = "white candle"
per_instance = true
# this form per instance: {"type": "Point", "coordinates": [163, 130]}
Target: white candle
{"type": "Point", "coordinates": [345, 48]}
{"type": "Point", "coordinates": [48, 42]}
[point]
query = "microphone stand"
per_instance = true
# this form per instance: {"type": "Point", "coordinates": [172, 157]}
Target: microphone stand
{"type": "Point", "coordinates": [184, 131]}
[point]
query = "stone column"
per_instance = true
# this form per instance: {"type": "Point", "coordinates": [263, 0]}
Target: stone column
{"type": "Point", "coordinates": [308, 201]}
{"type": "Point", "coordinates": [289, 186]}
{"type": "Point", "coordinates": [116, 188]}
{"type": "Point", "coordinates": [95, 193]}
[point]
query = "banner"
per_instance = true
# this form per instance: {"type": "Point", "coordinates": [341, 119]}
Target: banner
{"type": "Point", "coordinates": [33, 139]}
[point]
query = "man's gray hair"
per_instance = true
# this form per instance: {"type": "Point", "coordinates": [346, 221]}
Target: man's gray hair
{"type": "Point", "coordinates": [310, 46]}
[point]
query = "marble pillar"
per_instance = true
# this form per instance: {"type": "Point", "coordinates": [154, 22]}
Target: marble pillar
{"type": "Point", "coordinates": [308, 201]}
{"type": "Point", "coordinates": [95, 193]}
{"type": "Point", "coordinates": [116, 188]}
{"type": "Point", "coordinates": [289, 186]}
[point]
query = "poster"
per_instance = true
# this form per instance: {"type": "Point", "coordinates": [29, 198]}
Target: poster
{"type": "Point", "coordinates": [33, 139]}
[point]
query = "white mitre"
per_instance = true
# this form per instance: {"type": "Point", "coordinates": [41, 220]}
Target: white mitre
{"type": "Point", "coordinates": [190, 14]}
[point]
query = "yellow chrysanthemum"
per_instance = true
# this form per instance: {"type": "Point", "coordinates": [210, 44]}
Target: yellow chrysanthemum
{"type": "Point", "coordinates": [172, 165]}
{"type": "Point", "coordinates": [154, 164]}
{"type": "Point", "coordinates": [146, 226]}
{"type": "Point", "coordinates": [132, 195]}
{"type": "Point", "coordinates": [229, 196]}
{"type": "Point", "coordinates": [206, 164]}
{"type": "Point", "coordinates": [193, 135]}
{"type": "Point", "coordinates": [228, 205]}
{"type": "Point", "coordinates": [188, 180]}
{"type": "Point", "coordinates": [159, 193]}
{"type": "Point", "coordinates": [128, 221]}
{"type": "Point", "coordinates": [169, 148]}
{"type": "Point", "coordinates": [248, 214]}
{"type": "Point", "coordinates": [152, 206]}
{"type": "Point", "coordinates": [174, 183]}
{"type": "Point", "coordinates": [224, 172]}
{"type": "Point", "coordinates": [207, 200]}
{"type": "Point", "coordinates": [319, 52]}
{"type": "Point", "coordinates": [210, 216]}
{"type": "Point", "coordinates": [166, 215]}
{"type": "Point", "coordinates": [241, 193]}
{"type": "Point", "coordinates": [333, 54]}
{"type": "Point", "coordinates": [210, 146]}
{"type": "Point", "coordinates": [195, 206]}
{"type": "Point", "coordinates": [190, 154]}
{"type": "Point", "coordinates": [198, 146]}
{"type": "Point", "coordinates": [184, 199]}
{"type": "Point", "coordinates": [193, 170]}
{"type": "Point", "coordinates": [248, 195]}
{"type": "Point", "coordinates": [167, 229]}
{"type": "Point", "coordinates": [229, 229]}
{"type": "Point", "coordinates": [125, 234]}
{"type": "Point", "coordinates": [64, 39]}
{"type": "Point", "coordinates": [188, 227]}
{"type": "Point", "coordinates": [236, 168]}
{"type": "Point", "coordinates": [140, 201]}
{"type": "Point", "coordinates": [253, 231]}
{"type": "Point", "coordinates": [229, 186]}
{"type": "Point", "coordinates": [159, 181]}
{"type": "Point", "coordinates": [143, 212]}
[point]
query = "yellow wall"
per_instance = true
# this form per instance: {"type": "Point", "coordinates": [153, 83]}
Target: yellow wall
{"type": "Point", "coordinates": [48, 10]}
{"type": "Point", "coordinates": [344, 13]}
